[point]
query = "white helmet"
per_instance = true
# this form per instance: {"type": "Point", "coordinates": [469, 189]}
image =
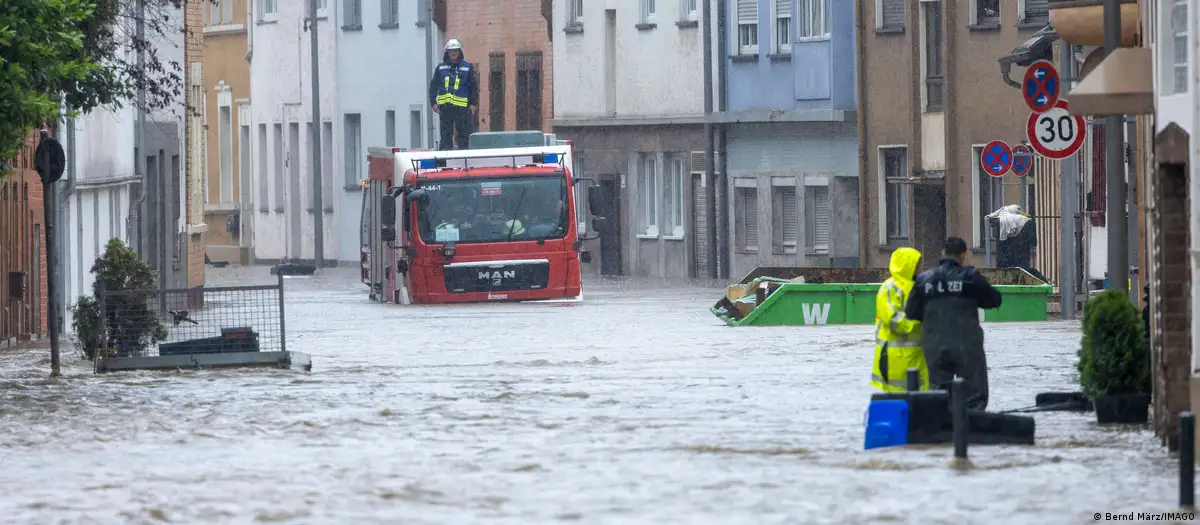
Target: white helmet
{"type": "Point", "coordinates": [453, 43]}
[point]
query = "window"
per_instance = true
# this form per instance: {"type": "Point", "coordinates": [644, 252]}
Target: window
{"type": "Point", "coordinates": [225, 136]}
{"type": "Point", "coordinates": [243, 173]}
{"type": "Point", "coordinates": [529, 90]}
{"type": "Point", "coordinates": [747, 24]}
{"type": "Point", "coordinates": [647, 188]}
{"type": "Point", "coordinates": [688, 11]}
{"type": "Point", "coordinates": [496, 92]}
{"type": "Point", "coordinates": [817, 218]}
{"type": "Point", "coordinates": [268, 8]}
{"type": "Point", "coordinates": [389, 128]}
{"type": "Point", "coordinates": [896, 202]}
{"type": "Point", "coordinates": [1179, 46]}
{"type": "Point", "coordinates": [320, 7]}
{"type": "Point", "coordinates": [934, 81]}
{"type": "Point", "coordinates": [783, 27]}
{"type": "Point", "coordinates": [280, 177]}
{"type": "Point", "coordinates": [351, 14]}
{"type": "Point", "coordinates": [745, 218]}
{"type": "Point", "coordinates": [648, 11]}
{"type": "Point", "coordinates": [889, 14]}
{"type": "Point", "coordinates": [814, 19]}
{"type": "Point", "coordinates": [986, 13]}
{"type": "Point", "coordinates": [389, 14]}
{"type": "Point", "coordinates": [352, 139]}
{"type": "Point", "coordinates": [988, 197]}
{"type": "Point", "coordinates": [414, 128]}
{"type": "Point", "coordinates": [575, 13]}
{"type": "Point", "coordinates": [673, 184]}
{"type": "Point", "coordinates": [785, 215]}
{"type": "Point", "coordinates": [264, 170]}
{"type": "Point", "coordinates": [327, 165]}
{"type": "Point", "coordinates": [217, 12]}
{"type": "Point", "coordinates": [1036, 12]}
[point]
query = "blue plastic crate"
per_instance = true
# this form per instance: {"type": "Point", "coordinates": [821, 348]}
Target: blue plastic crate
{"type": "Point", "coordinates": [887, 424]}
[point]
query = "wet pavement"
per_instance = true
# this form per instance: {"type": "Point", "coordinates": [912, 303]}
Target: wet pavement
{"type": "Point", "coordinates": [634, 406]}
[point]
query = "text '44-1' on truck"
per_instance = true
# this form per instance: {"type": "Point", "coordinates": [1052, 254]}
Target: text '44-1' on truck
{"type": "Point", "coordinates": [493, 223]}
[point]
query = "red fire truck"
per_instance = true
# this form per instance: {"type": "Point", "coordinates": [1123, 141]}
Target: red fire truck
{"type": "Point", "coordinates": [489, 224]}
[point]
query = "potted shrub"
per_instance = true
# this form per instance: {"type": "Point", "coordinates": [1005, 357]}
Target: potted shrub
{"type": "Point", "coordinates": [1114, 359]}
{"type": "Point", "coordinates": [118, 317]}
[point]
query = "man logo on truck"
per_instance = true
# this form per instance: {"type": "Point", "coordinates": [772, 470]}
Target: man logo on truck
{"type": "Point", "coordinates": [497, 276]}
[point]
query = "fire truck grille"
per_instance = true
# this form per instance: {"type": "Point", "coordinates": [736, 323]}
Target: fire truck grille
{"type": "Point", "coordinates": [497, 278]}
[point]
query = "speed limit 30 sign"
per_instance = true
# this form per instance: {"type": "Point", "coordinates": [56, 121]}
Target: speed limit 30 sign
{"type": "Point", "coordinates": [1055, 133]}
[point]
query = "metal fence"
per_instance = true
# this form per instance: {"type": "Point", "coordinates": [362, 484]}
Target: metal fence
{"type": "Point", "coordinates": [193, 321]}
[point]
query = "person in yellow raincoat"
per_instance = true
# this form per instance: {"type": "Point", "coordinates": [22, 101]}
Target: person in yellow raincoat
{"type": "Point", "coordinates": [897, 339]}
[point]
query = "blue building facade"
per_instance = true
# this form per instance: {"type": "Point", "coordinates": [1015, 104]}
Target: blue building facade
{"type": "Point", "coordinates": [790, 123]}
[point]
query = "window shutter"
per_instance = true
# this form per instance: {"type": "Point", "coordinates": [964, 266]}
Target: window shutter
{"type": "Point", "coordinates": [893, 13]}
{"type": "Point", "coordinates": [747, 11]}
{"type": "Point", "coordinates": [751, 204]}
{"type": "Point", "coordinates": [1037, 9]}
{"type": "Point", "coordinates": [820, 215]}
{"type": "Point", "coordinates": [699, 164]}
{"type": "Point", "coordinates": [791, 212]}
{"type": "Point", "coordinates": [699, 226]}
{"type": "Point", "coordinates": [783, 8]}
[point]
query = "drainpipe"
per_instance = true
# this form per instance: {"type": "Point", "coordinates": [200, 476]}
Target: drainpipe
{"type": "Point", "coordinates": [710, 195]}
{"type": "Point", "coordinates": [723, 136]}
{"type": "Point", "coordinates": [139, 139]}
{"type": "Point", "coordinates": [864, 231]}
{"type": "Point", "coordinates": [61, 246]}
{"type": "Point", "coordinates": [429, 35]}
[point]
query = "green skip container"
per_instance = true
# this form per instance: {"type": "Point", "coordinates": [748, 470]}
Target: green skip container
{"type": "Point", "coordinates": [847, 296]}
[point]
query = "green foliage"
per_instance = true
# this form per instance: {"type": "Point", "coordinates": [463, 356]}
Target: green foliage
{"type": "Point", "coordinates": [72, 55]}
{"type": "Point", "coordinates": [118, 316]}
{"type": "Point", "coordinates": [1115, 356]}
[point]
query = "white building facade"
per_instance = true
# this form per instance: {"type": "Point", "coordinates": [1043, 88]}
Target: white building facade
{"type": "Point", "coordinates": [382, 76]}
{"type": "Point", "coordinates": [373, 78]}
{"type": "Point", "coordinates": [629, 92]}
{"type": "Point", "coordinates": [101, 192]}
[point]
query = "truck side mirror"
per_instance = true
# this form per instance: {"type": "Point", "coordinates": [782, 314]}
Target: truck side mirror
{"type": "Point", "coordinates": [418, 196]}
{"type": "Point", "coordinates": [387, 210]}
{"type": "Point", "coordinates": [389, 233]}
{"type": "Point", "coordinates": [595, 204]}
{"type": "Point", "coordinates": [599, 224]}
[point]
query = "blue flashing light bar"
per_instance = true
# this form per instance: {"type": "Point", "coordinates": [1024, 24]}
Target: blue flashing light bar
{"type": "Point", "coordinates": [550, 158]}
{"type": "Point", "coordinates": [427, 164]}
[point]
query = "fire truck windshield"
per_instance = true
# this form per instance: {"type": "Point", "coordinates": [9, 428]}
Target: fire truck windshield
{"type": "Point", "coordinates": [504, 209]}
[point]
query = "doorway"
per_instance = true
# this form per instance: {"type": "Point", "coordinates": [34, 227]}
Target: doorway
{"type": "Point", "coordinates": [929, 228]}
{"type": "Point", "coordinates": [296, 216]}
{"type": "Point", "coordinates": [610, 237]}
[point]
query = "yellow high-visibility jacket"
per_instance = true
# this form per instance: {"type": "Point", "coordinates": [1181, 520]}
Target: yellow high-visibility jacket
{"type": "Point", "coordinates": [897, 338]}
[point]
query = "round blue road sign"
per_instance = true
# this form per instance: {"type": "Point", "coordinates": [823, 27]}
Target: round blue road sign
{"type": "Point", "coordinates": [996, 158]}
{"type": "Point", "coordinates": [1022, 160]}
{"type": "Point", "coordinates": [1041, 87]}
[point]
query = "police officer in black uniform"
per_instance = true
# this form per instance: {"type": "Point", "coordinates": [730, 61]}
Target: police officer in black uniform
{"type": "Point", "coordinates": [454, 95]}
{"type": "Point", "coordinates": [946, 299]}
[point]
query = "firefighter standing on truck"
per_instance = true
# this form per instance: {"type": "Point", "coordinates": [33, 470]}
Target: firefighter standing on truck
{"type": "Point", "coordinates": [454, 95]}
{"type": "Point", "coordinates": [897, 338]}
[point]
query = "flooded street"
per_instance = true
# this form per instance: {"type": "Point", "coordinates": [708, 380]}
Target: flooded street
{"type": "Point", "coordinates": [634, 406]}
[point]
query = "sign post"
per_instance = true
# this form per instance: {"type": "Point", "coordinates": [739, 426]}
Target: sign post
{"type": "Point", "coordinates": [1056, 134]}
{"type": "Point", "coordinates": [1021, 166]}
{"type": "Point", "coordinates": [50, 162]}
{"type": "Point", "coordinates": [996, 159]}
{"type": "Point", "coordinates": [1041, 86]}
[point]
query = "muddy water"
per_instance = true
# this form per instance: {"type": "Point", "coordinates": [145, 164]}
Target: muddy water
{"type": "Point", "coordinates": [635, 406]}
